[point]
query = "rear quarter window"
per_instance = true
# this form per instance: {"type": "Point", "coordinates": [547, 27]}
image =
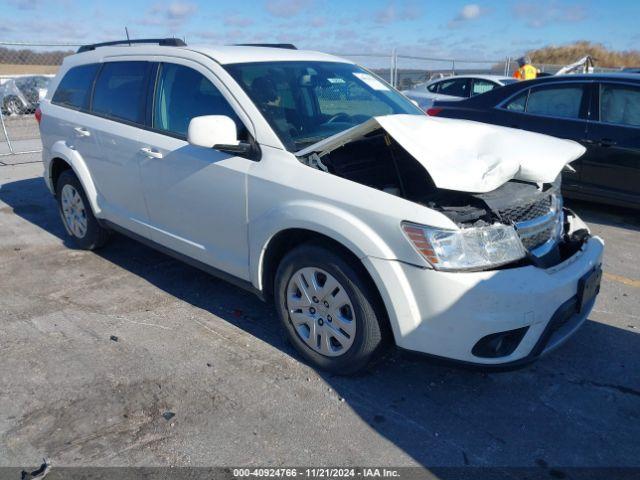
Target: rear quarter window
{"type": "Point", "coordinates": [75, 87]}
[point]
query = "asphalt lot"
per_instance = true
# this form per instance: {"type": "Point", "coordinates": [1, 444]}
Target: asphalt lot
{"type": "Point", "coordinates": [212, 355]}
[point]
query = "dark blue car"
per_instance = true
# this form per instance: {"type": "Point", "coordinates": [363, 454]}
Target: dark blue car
{"type": "Point", "coordinates": [601, 111]}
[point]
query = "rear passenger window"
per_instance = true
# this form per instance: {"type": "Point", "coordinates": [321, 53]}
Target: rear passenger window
{"type": "Point", "coordinates": [183, 93]}
{"type": "Point", "coordinates": [120, 91]}
{"type": "Point", "coordinates": [620, 104]}
{"type": "Point", "coordinates": [482, 86]}
{"type": "Point", "coordinates": [561, 101]}
{"type": "Point", "coordinates": [455, 88]}
{"type": "Point", "coordinates": [519, 103]}
{"type": "Point", "coordinates": [75, 87]}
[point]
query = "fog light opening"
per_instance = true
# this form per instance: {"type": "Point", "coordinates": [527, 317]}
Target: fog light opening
{"type": "Point", "coordinates": [499, 344]}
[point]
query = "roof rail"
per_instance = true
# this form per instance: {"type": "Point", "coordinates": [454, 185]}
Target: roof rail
{"type": "Point", "coordinates": [163, 42]}
{"type": "Point", "coordinates": [287, 46]}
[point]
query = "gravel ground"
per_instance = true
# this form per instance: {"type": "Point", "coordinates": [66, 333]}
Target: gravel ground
{"type": "Point", "coordinates": [98, 350]}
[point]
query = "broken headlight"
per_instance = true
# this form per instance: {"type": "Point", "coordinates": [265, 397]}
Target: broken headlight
{"type": "Point", "coordinates": [477, 248]}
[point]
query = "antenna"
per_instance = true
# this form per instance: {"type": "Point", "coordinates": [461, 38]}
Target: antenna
{"type": "Point", "coordinates": [126, 30]}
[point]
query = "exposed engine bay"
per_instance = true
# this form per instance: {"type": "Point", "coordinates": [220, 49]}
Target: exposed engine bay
{"type": "Point", "coordinates": [377, 160]}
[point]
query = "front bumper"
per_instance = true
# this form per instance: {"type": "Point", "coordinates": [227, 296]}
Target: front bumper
{"type": "Point", "coordinates": [446, 313]}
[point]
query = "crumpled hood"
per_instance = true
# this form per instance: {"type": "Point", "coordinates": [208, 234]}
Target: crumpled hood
{"type": "Point", "coordinates": [466, 156]}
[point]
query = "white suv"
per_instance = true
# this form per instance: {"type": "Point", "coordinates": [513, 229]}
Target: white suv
{"type": "Point", "coordinates": [312, 182]}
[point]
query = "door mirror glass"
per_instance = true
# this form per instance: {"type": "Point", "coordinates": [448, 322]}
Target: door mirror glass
{"type": "Point", "coordinates": [212, 131]}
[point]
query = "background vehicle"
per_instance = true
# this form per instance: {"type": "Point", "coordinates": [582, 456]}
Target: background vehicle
{"type": "Point", "coordinates": [601, 111]}
{"type": "Point", "coordinates": [21, 95]}
{"type": "Point", "coordinates": [455, 88]}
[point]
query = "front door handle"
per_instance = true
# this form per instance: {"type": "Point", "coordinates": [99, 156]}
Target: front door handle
{"type": "Point", "coordinates": [82, 132]}
{"type": "Point", "coordinates": [151, 153]}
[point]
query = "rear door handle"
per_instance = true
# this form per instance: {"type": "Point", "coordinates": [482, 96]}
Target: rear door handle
{"type": "Point", "coordinates": [151, 153]}
{"type": "Point", "coordinates": [82, 132]}
{"type": "Point", "coordinates": [607, 142]}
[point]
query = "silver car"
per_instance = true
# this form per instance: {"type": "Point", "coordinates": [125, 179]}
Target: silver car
{"type": "Point", "coordinates": [455, 88]}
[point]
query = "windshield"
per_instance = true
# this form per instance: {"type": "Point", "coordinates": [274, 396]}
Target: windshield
{"type": "Point", "coordinates": [305, 102]}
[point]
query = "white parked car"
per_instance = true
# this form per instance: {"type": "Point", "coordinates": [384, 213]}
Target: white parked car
{"type": "Point", "coordinates": [455, 88]}
{"type": "Point", "coordinates": [367, 222]}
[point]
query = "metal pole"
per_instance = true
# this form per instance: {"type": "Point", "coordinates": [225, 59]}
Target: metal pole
{"type": "Point", "coordinates": [507, 67]}
{"type": "Point", "coordinates": [392, 72]}
{"type": "Point", "coordinates": [6, 135]}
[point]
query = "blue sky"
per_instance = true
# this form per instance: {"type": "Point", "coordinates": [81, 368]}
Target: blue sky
{"type": "Point", "coordinates": [441, 28]}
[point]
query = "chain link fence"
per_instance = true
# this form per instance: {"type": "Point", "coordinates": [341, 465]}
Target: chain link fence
{"type": "Point", "coordinates": [25, 72]}
{"type": "Point", "coordinates": [27, 68]}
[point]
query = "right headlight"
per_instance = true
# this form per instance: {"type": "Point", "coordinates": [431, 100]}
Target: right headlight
{"type": "Point", "coordinates": [476, 248]}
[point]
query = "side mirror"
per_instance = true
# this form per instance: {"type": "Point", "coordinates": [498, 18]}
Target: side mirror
{"type": "Point", "coordinates": [216, 131]}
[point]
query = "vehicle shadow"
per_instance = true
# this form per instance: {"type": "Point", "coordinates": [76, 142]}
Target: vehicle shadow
{"type": "Point", "coordinates": [578, 406]}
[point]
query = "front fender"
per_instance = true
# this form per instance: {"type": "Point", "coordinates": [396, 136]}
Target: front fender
{"type": "Point", "coordinates": [331, 221]}
{"type": "Point", "coordinates": [61, 150]}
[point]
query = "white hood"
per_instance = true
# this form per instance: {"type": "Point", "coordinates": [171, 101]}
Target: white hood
{"type": "Point", "coordinates": [466, 156]}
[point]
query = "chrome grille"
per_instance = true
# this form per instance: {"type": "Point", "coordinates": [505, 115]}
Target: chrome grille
{"type": "Point", "coordinates": [538, 224]}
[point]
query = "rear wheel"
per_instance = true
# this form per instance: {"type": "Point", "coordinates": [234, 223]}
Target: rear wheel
{"type": "Point", "coordinates": [328, 309]}
{"type": "Point", "coordinates": [76, 213]}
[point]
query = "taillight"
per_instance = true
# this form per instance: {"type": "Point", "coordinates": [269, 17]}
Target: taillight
{"type": "Point", "coordinates": [434, 111]}
{"type": "Point", "coordinates": [38, 115]}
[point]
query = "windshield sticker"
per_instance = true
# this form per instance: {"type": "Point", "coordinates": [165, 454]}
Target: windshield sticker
{"type": "Point", "coordinates": [371, 81]}
{"type": "Point", "coordinates": [336, 80]}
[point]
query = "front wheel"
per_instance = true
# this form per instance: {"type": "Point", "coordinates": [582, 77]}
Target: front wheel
{"type": "Point", "coordinates": [328, 309]}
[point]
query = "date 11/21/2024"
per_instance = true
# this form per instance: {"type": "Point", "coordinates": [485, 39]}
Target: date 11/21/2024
{"type": "Point", "coordinates": [370, 472]}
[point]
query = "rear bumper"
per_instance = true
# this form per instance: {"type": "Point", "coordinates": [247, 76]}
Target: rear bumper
{"type": "Point", "coordinates": [445, 314]}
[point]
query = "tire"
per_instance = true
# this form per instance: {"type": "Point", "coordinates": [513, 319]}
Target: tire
{"type": "Point", "coordinates": [13, 106]}
{"type": "Point", "coordinates": [360, 340]}
{"type": "Point", "coordinates": [76, 214]}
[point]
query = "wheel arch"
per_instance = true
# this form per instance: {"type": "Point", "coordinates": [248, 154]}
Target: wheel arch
{"type": "Point", "coordinates": [285, 240]}
{"type": "Point", "coordinates": [63, 158]}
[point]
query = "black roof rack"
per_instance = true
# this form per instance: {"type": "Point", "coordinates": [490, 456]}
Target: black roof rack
{"type": "Point", "coordinates": [163, 42]}
{"type": "Point", "coordinates": [287, 46]}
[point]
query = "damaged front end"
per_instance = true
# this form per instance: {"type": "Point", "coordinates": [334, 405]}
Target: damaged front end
{"type": "Point", "coordinates": [510, 212]}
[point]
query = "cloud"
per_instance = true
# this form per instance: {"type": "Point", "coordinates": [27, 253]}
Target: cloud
{"type": "Point", "coordinates": [173, 12]}
{"type": "Point", "coordinates": [237, 21]}
{"type": "Point", "coordinates": [25, 4]}
{"type": "Point", "coordinates": [392, 13]}
{"type": "Point", "coordinates": [542, 13]}
{"type": "Point", "coordinates": [318, 22]}
{"type": "Point", "coordinates": [180, 10]}
{"type": "Point", "coordinates": [469, 12]}
{"type": "Point", "coordinates": [169, 16]}
{"type": "Point", "coordinates": [287, 8]}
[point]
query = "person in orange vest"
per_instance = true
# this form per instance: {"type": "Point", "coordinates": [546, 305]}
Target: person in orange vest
{"type": "Point", "coordinates": [526, 70]}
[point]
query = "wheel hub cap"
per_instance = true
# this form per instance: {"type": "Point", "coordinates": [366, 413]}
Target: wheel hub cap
{"type": "Point", "coordinates": [74, 213]}
{"type": "Point", "coordinates": [321, 311]}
